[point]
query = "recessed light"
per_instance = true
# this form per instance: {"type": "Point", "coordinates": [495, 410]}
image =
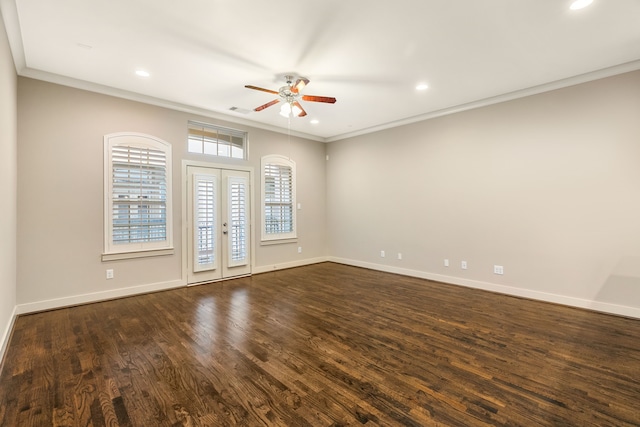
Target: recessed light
{"type": "Point", "coordinates": [142, 73]}
{"type": "Point", "coordinates": [314, 121]}
{"type": "Point", "coordinates": [580, 4]}
{"type": "Point", "coordinates": [422, 86]}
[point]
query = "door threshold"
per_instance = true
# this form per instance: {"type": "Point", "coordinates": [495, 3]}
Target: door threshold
{"type": "Point", "coordinates": [206, 282]}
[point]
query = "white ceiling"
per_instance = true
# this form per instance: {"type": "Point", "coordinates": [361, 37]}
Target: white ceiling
{"type": "Point", "coordinates": [368, 54]}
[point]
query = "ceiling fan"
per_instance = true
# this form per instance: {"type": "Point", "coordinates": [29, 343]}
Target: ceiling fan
{"type": "Point", "coordinates": [291, 96]}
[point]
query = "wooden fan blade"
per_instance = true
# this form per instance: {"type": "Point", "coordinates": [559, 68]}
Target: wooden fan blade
{"type": "Point", "coordinates": [302, 112]}
{"type": "Point", "coordinates": [267, 105]}
{"type": "Point", "coordinates": [314, 98]}
{"type": "Point", "coordinates": [299, 85]}
{"type": "Point", "coordinates": [261, 88]}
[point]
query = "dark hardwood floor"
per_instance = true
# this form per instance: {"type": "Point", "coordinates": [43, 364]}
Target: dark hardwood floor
{"type": "Point", "coordinates": [322, 345]}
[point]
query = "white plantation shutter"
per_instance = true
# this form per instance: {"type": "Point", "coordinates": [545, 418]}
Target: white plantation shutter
{"type": "Point", "coordinates": [238, 222]}
{"type": "Point", "coordinates": [278, 188]}
{"type": "Point", "coordinates": [137, 193]}
{"type": "Point", "coordinates": [278, 208]}
{"type": "Point", "coordinates": [205, 217]}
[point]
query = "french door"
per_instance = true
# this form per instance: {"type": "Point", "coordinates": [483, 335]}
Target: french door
{"type": "Point", "coordinates": [219, 232]}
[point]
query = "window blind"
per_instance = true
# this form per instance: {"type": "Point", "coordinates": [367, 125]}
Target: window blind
{"type": "Point", "coordinates": [139, 195]}
{"type": "Point", "coordinates": [278, 199]}
{"type": "Point", "coordinates": [238, 220]}
{"type": "Point", "coordinates": [205, 220]}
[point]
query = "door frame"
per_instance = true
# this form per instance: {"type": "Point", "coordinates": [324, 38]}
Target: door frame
{"type": "Point", "coordinates": [184, 226]}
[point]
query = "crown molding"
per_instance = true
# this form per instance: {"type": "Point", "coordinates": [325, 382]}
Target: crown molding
{"type": "Point", "coordinates": [9, 12]}
{"type": "Point", "coordinates": [158, 102]}
{"type": "Point", "coordinates": [535, 90]}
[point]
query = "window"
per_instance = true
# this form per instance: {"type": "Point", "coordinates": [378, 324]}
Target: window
{"type": "Point", "coordinates": [278, 198]}
{"type": "Point", "coordinates": [137, 194]}
{"type": "Point", "coordinates": [217, 141]}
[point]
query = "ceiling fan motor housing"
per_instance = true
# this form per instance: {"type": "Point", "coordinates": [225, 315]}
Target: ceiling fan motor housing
{"type": "Point", "coordinates": [290, 93]}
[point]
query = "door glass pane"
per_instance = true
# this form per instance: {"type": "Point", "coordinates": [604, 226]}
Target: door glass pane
{"type": "Point", "coordinates": [238, 220]}
{"type": "Point", "coordinates": [205, 220]}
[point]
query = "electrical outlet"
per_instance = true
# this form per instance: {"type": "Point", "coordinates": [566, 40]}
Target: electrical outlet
{"type": "Point", "coordinates": [382, 254]}
{"type": "Point", "coordinates": [110, 273]}
{"type": "Point", "coordinates": [399, 255]}
{"type": "Point", "coordinates": [446, 263]}
{"type": "Point", "coordinates": [299, 249]}
{"type": "Point", "coordinates": [463, 265]}
{"type": "Point", "coordinates": [498, 269]}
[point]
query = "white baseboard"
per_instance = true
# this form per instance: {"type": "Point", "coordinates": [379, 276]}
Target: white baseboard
{"type": "Point", "coordinates": [154, 287]}
{"type": "Point", "coordinates": [292, 264]}
{"type": "Point", "coordinates": [51, 304]}
{"type": "Point", "coordinates": [604, 307]}
{"type": "Point", "coordinates": [6, 335]}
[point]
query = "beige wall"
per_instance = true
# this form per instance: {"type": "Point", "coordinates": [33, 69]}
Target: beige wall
{"type": "Point", "coordinates": [60, 195]}
{"type": "Point", "coordinates": [8, 179]}
{"type": "Point", "coordinates": [547, 186]}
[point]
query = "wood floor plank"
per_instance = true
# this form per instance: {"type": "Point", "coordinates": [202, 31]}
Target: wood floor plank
{"type": "Point", "coordinates": [322, 345]}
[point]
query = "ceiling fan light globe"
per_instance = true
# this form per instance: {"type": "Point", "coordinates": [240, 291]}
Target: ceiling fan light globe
{"type": "Point", "coordinates": [285, 110]}
{"type": "Point", "coordinates": [580, 4]}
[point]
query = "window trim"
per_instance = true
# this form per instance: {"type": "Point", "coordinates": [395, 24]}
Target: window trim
{"type": "Point", "coordinates": [113, 251]}
{"type": "Point", "coordinates": [276, 238]}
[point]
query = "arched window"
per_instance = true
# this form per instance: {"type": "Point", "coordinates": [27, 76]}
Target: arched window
{"type": "Point", "coordinates": [137, 189]}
